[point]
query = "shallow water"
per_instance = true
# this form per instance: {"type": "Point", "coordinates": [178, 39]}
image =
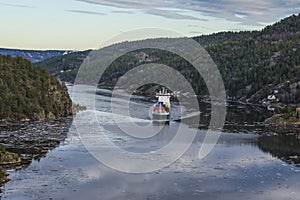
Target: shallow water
{"type": "Point", "coordinates": [240, 166]}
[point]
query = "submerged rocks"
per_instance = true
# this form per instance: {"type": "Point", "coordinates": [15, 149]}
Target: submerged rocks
{"type": "Point", "coordinates": [33, 139]}
{"type": "Point", "coordinates": [77, 108]}
{"type": "Point", "coordinates": [25, 141]}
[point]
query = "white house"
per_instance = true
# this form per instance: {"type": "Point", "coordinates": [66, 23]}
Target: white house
{"type": "Point", "coordinates": [271, 97]}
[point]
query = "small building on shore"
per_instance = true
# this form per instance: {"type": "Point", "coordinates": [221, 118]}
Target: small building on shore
{"type": "Point", "coordinates": [272, 97]}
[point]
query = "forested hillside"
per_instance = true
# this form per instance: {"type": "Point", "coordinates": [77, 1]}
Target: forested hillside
{"type": "Point", "coordinates": [253, 64]}
{"type": "Point", "coordinates": [64, 67]}
{"type": "Point", "coordinates": [250, 61]}
{"type": "Point", "coordinates": [29, 92]}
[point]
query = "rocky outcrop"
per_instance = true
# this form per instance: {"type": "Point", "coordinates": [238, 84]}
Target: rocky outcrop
{"type": "Point", "coordinates": [27, 141]}
{"type": "Point", "coordinates": [283, 124]}
{"type": "Point", "coordinates": [7, 158]}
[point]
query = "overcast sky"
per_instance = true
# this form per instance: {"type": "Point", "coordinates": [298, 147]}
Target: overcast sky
{"type": "Point", "coordinates": [84, 24]}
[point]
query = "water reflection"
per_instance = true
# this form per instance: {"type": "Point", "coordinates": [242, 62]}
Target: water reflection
{"type": "Point", "coordinates": [284, 147]}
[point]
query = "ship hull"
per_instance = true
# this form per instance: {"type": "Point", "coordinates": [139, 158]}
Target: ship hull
{"type": "Point", "coordinates": [161, 117]}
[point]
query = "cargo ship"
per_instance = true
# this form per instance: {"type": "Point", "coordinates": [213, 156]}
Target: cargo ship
{"type": "Point", "coordinates": [161, 110]}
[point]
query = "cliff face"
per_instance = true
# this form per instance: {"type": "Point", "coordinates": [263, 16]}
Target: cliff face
{"type": "Point", "coordinates": [30, 93]}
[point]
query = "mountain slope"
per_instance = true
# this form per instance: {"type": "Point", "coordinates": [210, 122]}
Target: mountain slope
{"type": "Point", "coordinates": [64, 67]}
{"type": "Point", "coordinates": [33, 55]}
{"type": "Point", "coordinates": [253, 64]}
{"type": "Point", "coordinates": [30, 93]}
{"type": "Point", "coordinates": [290, 24]}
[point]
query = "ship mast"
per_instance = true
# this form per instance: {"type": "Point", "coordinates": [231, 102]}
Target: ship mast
{"type": "Point", "coordinates": [164, 97]}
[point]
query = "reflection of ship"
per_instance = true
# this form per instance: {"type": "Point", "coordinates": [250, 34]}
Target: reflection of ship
{"type": "Point", "coordinates": [161, 110]}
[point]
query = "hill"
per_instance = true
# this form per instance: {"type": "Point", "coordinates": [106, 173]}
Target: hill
{"type": "Point", "coordinates": [64, 67]}
{"type": "Point", "coordinates": [29, 92]}
{"type": "Point", "coordinates": [33, 55]}
{"type": "Point", "coordinates": [253, 64]}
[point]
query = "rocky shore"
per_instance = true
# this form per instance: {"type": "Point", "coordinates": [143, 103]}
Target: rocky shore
{"type": "Point", "coordinates": [283, 124]}
{"type": "Point", "coordinates": [7, 158]}
{"type": "Point", "coordinates": [26, 141]}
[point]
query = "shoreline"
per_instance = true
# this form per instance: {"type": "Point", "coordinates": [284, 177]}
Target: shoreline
{"type": "Point", "coordinates": [283, 124]}
{"type": "Point", "coordinates": [29, 141]}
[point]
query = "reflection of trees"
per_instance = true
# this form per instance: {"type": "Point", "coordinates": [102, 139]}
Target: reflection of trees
{"type": "Point", "coordinates": [284, 147]}
{"type": "Point", "coordinates": [32, 140]}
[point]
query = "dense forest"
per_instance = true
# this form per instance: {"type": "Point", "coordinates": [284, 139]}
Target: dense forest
{"type": "Point", "coordinates": [29, 92]}
{"type": "Point", "coordinates": [253, 64]}
{"type": "Point", "coordinates": [259, 60]}
{"type": "Point", "coordinates": [65, 67]}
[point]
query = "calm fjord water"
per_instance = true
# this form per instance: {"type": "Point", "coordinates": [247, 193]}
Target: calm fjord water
{"type": "Point", "coordinates": [241, 166]}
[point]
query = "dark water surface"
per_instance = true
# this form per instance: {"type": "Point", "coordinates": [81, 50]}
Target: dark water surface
{"type": "Point", "coordinates": [240, 166]}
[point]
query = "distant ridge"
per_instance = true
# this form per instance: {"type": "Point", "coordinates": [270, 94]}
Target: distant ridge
{"type": "Point", "coordinates": [33, 55]}
{"type": "Point", "coordinates": [253, 64]}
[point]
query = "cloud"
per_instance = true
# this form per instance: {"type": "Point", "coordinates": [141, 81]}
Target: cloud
{"type": "Point", "coordinates": [196, 32]}
{"type": "Point", "coordinates": [123, 12]}
{"type": "Point", "coordinates": [86, 12]}
{"type": "Point", "coordinates": [239, 15]}
{"type": "Point", "coordinates": [193, 25]}
{"type": "Point", "coordinates": [243, 11]}
{"type": "Point", "coordinates": [170, 14]}
{"type": "Point", "coordinates": [15, 5]}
